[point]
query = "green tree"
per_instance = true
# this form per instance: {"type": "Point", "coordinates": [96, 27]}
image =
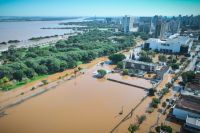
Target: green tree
{"type": "Point", "coordinates": [18, 75]}
{"type": "Point", "coordinates": [162, 58]}
{"type": "Point", "coordinates": [42, 69]}
{"type": "Point", "coordinates": [152, 91]}
{"type": "Point", "coordinates": [53, 65]}
{"type": "Point", "coordinates": [163, 128]}
{"type": "Point", "coordinates": [188, 76]}
{"type": "Point", "coordinates": [31, 64]}
{"type": "Point", "coordinates": [115, 58]}
{"type": "Point", "coordinates": [174, 66]}
{"type": "Point", "coordinates": [102, 73]}
{"type": "Point", "coordinates": [145, 57]}
{"type": "Point", "coordinates": [61, 44]}
{"type": "Point", "coordinates": [3, 81]}
{"type": "Point", "coordinates": [125, 72]}
{"type": "Point", "coordinates": [133, 128]}
{"type": "Point", "coordinates": [155, 102]}
{"type": "Point", "coordinates": [141, 118]}
{"type": "Point", "coordinates": [120, 65]}
{"type": "Point", "coordinates": [63, 66]}
{"type": "Point", "coordinates": [30, 73]}
{"type": "Point", "coordinates": [6, 71]}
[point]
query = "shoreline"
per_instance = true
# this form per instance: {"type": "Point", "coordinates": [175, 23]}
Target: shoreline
{"type": "Point", "coordinates": [26, 33]}
{"type": "Point", "coordinates": [123, 125]}
{"type": "Point", "coordinates": [35, 43]}
{"type": "Point", "coordinates": [15, 96]}
{"type": "Point", "coordinates": [22, 91]}
{"type": "Point", "coordinates": [19, 92]}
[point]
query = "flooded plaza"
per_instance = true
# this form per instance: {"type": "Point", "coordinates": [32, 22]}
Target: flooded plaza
{"type": "Point", "coordinates": [84, 104]}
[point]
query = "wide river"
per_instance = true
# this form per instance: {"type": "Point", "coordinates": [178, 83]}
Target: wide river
{"type": "Point", "coordinates": [28, 29]}
{"type": "Point", "coordinates": [81, 105]}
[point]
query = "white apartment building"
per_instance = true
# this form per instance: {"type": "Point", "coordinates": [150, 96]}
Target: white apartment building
{"type": "Point", "coordinates": [173, 44]}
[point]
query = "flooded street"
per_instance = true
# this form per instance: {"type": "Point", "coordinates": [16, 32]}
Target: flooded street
{"type": "Point", "coordinates": [85, 105]}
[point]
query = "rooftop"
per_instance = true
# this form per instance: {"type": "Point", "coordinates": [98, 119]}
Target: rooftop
{"type": "Point", "coordinates": [189, 103]}
{"type": "Point", "coordinates": [179, 39]}
{"type": "Point", "coordinates": [183, 40]}
{"type": "Point", "coordinates": [190, 93]}
{"type": "Point", "coordinates": [195, 84]}
{"type": "Point", "coordinates": [193, 121]}
{"type": "Point", "coordinates": [140, 62]}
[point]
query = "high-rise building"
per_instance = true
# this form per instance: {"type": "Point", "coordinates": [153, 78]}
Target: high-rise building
{"type": "Point", "coordinates": [127, 24]}
{"type": "Point", "coordinates": [164, 29]}
{"type": "Point", "coordinates": [161, 29]}
{"type": "Point", "coordinates": [145, 24]}
{"type": "Point", "coordinates": [174, 26]}
{"type": "Point", "coordinates": [157, 29]}
{"type": "Point", "coordinates": [108, 20]}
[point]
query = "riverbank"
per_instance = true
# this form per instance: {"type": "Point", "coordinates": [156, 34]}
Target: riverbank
{"type": "Point", "coordinates": [8, 97]}
{"type": "Point", "coordinates": [24, 30]}
{"type": "Point", "coordinates": [99, 100]}
{"type": "Point", "coordinates": [11, 96]}
{"type": "Point", "coordinates": [35, 43]}
{"type": "Point", "coordinates": [105, 93]}
{"type": "Point", "coordinates": [29, 88]}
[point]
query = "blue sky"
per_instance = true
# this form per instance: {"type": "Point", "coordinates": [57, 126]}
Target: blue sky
{"type": "Point", "coordinates": [98, 7]}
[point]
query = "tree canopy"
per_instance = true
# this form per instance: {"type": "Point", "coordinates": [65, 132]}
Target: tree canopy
{"type": "Point", "coordinates": [35, 61]}
{"type": "Point", "coordinates": [188, 76]}
{"type": "Point", "coordinates": [102, 73]}
{"type": "Point", "coordinates": [115, 58]}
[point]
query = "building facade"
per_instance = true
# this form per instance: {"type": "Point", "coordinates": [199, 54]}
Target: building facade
{"type": "Point", "coordinates": [145, 24]}
{"type": "Point", "coordinates": [129, 24]}
{"type": "Point", "coordinates": [174, 44]}
{"type": "Point", "coordinates": [139, 65]}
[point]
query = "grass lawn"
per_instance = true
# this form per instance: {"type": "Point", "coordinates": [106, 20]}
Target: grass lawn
{"type": "Point", "coordinates": [17, 84]}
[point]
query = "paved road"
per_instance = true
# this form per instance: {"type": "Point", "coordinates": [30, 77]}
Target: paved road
{"type": "Point", "coordinates": [192, 63]}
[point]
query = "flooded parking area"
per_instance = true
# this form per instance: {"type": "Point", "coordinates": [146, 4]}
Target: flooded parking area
{"type": "Point", "coordinates": [84, 104]}
{"type": "Point", "coordinates": [131, 80]}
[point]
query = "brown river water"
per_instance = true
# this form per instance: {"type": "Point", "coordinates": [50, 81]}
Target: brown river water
{"type": "Point", "coordinates": [81, 105]}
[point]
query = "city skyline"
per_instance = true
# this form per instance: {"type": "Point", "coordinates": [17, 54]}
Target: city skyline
{"type": "Point", "coordinates": [98, 8]}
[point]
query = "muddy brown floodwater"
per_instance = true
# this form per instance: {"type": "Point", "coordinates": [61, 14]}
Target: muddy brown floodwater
{"type": "Point", "coordinates": [82, 105]}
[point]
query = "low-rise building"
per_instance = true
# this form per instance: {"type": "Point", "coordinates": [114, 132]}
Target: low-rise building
{"type": "Point", "coordinates": [161, 71]}
{"type": "Point", "coordinates": [174, 44]}
{"type": "Point", "coordinates": [192, 124]}
{"type": "Point", "coordinates": [187, 108]}
{"type": "Point", "coordinates": [195, 84]}
{"type": "Point", "coordinates": [144, 67]}
{"type": "Point", "coordinates": [148, 67]}
{"type": "Point", "coordinates": [187, 105]}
